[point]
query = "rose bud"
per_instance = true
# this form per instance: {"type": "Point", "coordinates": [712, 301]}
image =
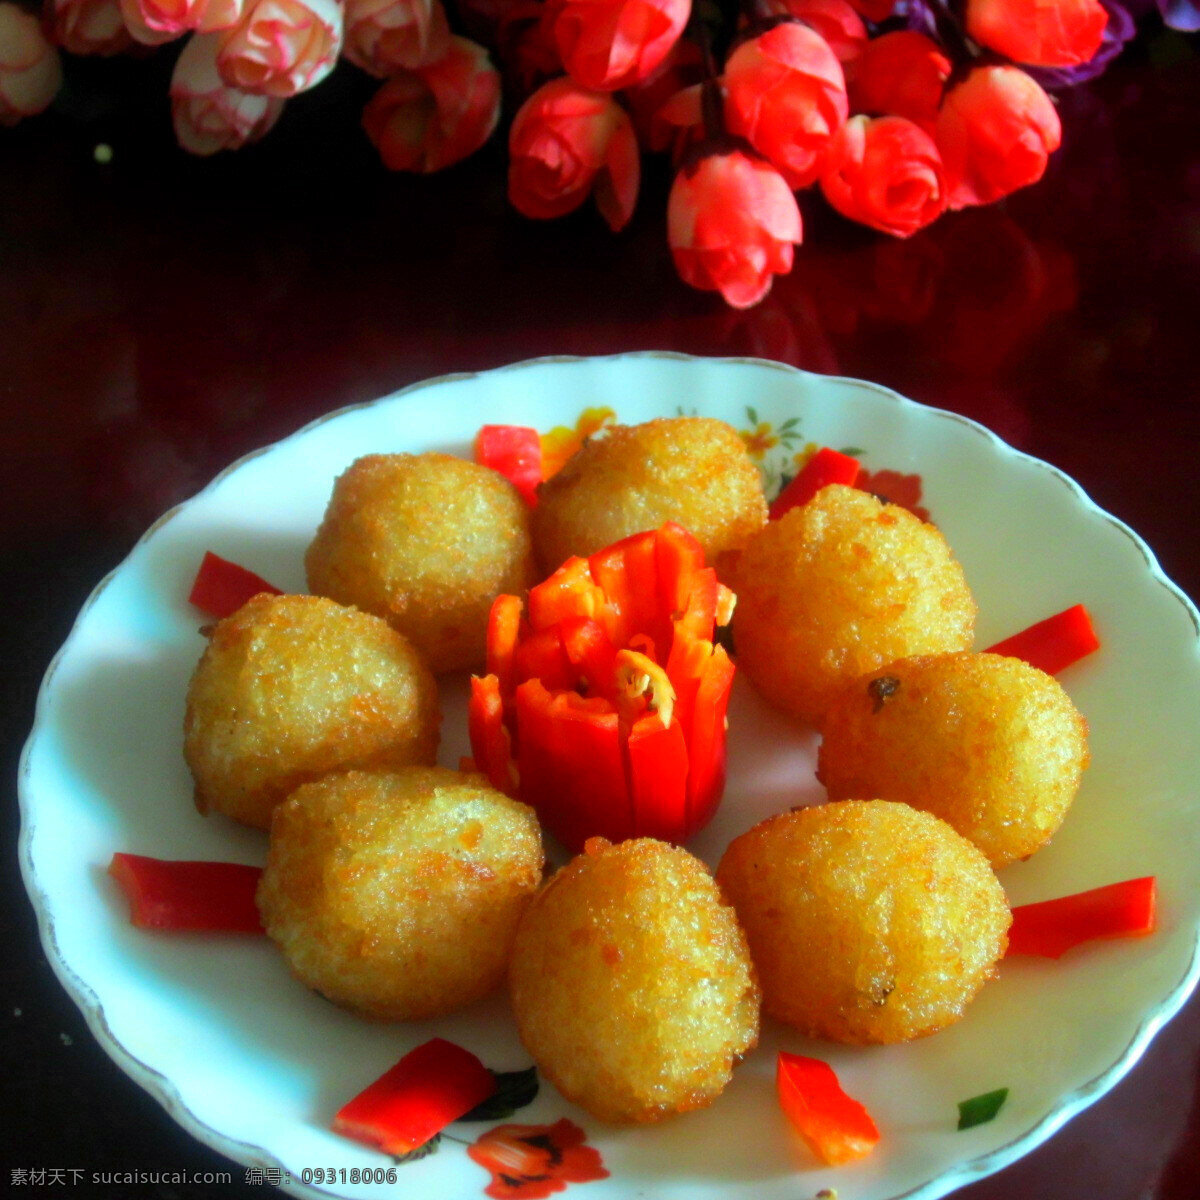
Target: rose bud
{"type": "Point", "coordinates": [153, 22]}
{"type": "Point", "coordinates": [88, 26]}
{"type": "Point", "coordinates": [786, 95]}
{"type": "Point", "coordinates": [281, 47]}
{"type": "Point", "coordinates": [30, 68]}
{"type": "Point", "coordinates": [429, 119]}
{"type": "Point", "coordinates": [835, 20]}
{"type": "Point", "coordinates": [383, 36]}
{"type": "Point", "coordinates": [566, 143]}
{"type": "Point", "coordinates": [207, 113]}
{"type": "Point", "coordinates": [611, 44]}
{"type": "Point", "coordinates": [731, 223]}
{"type": "Point", "coordinates": [1062, 34]}
{"type": "Point", "coordinates": [900, 74]}
{"type": "Point", "coordinates": [995, 131]}
{"type": "Point", "coordinates": [885, 172]}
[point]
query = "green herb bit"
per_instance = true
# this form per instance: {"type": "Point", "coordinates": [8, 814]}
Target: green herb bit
{"type": "Point", "coordinates": [981, 1109]}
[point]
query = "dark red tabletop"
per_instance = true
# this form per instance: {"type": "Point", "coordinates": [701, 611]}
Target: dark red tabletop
{"type": "Point", "coordinates": [160, 316]}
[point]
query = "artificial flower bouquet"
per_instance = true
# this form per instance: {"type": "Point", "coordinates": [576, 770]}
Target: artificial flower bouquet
{"type": "Point", "coordinates": [894, 110]}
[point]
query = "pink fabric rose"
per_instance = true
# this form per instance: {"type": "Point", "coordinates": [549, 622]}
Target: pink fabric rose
{"type": "Point", "coordinates": [567, 143]}
{"type": "Point", "coordinates": [30, 69]}
{"type": "Point", "coordinates": [281, 47]}
{"type": "Point", "coordinates": [885, 172]}
{"type": "Point", "coordinates": [207, 113]}
{"type": "Point", "coordinates": [900, 74]}
{"type": "Point", "coordinates": [1062, 34]}
{"type": "Point", "coordinates": [995, 131]}
{"type": "Point", "coordinates": [611, 44]}
{"type": "Point", "coordinates": [786, 95]}
{"type": "Point", "coordinates": [732, 222]}
{"type": "Point", "coordinates": [89, 26]}
{"type": "Point", "coordinates": [835, 20]}
{"type": "Point", "coordinates": [153, 22]}
{"type": "Point", "coordinates": [430, 118]}
{"type": "Point", "coordinates": [383, 36]}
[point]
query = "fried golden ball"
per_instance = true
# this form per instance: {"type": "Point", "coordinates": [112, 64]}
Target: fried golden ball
{"type": "Point", "coordinates": [397, 894]}
{"type": "Point", "coordinates": [839, 586]}
{"type": "Point", "coordinates": [692, 470]}
{"type": "Point", "coordinates": [631, 982]}
{"type": "Point", "coordinates": [869, 922]}
{"type": "Point", "coordinates": [427, 542]}
{"type": "Point", "coordinates": [290, 687]}
{"type": "Point", "coordinates": [989, 744]}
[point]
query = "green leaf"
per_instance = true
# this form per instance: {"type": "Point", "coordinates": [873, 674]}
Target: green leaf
{"type": "Point", "coordinates": [852, 451]}
{"type": "Point", "coordinates": [789, 424]}
{"type": "Point", "coordinates": [752, 415]}
{"type": "Point", "coordinates": [423, 1151]}
{"type": "Point", "coordinates": [981, 1109]}
{"type": "Point", "coordinates": [514, 1089]}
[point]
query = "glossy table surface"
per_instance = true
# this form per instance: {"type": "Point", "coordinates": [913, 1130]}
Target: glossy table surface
{"type": "Point", "coordinates": [162, 316]}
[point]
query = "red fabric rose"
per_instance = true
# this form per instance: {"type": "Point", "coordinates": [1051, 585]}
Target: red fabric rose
{"type": "Point", "coordinates": [611, 44]}
{"type": "Point", "coordinates": [835, 20]}
{"type": "Point", "coordinates": [786, 95]}
{"type": "Point", "coordinates": [900, 74]}
{"type": "Point", "coordinates": [682, 68]}
{"type": "Point", "coordinates": [430, 118]}
{"type": "Point", "coordinates": [995, 131]}
{"type": "Point", "coordinates": [885, 172]}
{"type": "Point", "coordinates": [1059, 34]}
{"type": "Point", "coordinates": [567, 142]}
{"type": "Point", "coordinates": [732, 222]}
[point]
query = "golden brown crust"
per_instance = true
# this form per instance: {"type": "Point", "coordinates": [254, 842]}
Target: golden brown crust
{"type": "Point", "coordinates": [291, 687]}
{"type": "Point", "coordinates": [426, 541]}
{"type": "Point", "coordinates": [397, 894]}
{"type": "Point", "coordinates": [632, 984]}
{"type": "Point", "coordinates": [692, 470]}
{"type": "Point", "coordinates": [839, 586]}
{"type": "Point", "coordinates": [868, 921]}
{"type": "Point", "coordinates": [990, 744]}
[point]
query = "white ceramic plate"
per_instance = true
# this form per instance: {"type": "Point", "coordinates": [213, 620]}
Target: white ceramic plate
{"type": "Point", "coordinates": [254, 1065]}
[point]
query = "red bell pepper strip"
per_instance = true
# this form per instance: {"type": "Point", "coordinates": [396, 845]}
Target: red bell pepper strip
{"type": "Point", "coordinates": [836, 1128]}
{"type": "Point", "coordinates": [1050, 928]}
{"type": "Point", "coordinates": [1055, 643]}
{"type": "Point", "coordinates": [826, 466]}
{"type": "Point", "coordinates": [425, 1091]}
{"type": "Point", "coordinates": [516, 452]}
{"type": "Point", "coordinates": [221, 587]}
{"type": "Point", "coordinates": [211, 897]}
{"type": "Point", "coordinates": [617, 708]}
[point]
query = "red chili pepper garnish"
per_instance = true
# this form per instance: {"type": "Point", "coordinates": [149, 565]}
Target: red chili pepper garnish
{"type": "Point", "coordinates": [1050, 928]}
{"type": "Point", "coordinates": [605, 703]}
{"type": "Point", "coordinates": [1054, 643]}
{"type": "Point", "coordinates": [516, 452]}
{"type": "Point", "coordinates": [211, 897]}
{"type": "Point", "coordinates": [836, 1128]}
{"type": "Point", "coordinates": [429, 1087]}
{"type": "Point", "coordinates": [221, 587]}
{"type": "Point", "coordinates": [826, 466]}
